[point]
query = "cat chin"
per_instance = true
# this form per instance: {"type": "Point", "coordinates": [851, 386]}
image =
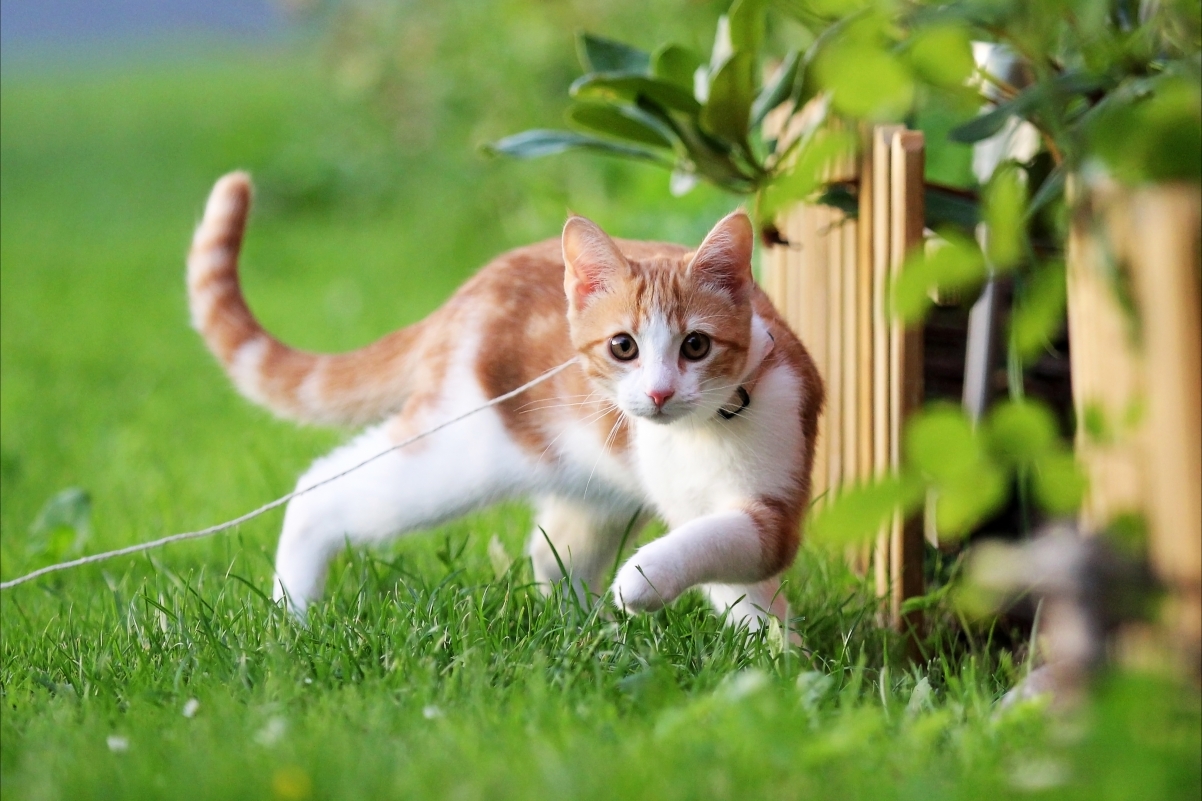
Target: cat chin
{"type": "Point", "coordinates": [663, 418]}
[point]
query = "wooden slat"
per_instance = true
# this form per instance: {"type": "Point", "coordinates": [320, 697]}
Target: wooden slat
{"type": "Point", "coordinates": [851, 325]}
{"type": "Point", "coordinates": [1165, 268]}
{"type": "Point", "coordinates": [905, 365]}
{"type": "Point", "coordinates": [815, 300]}
{"type": "Point", "coordinates": [881, 148]}
{"type": "Point", "coordinates": [1105, 369]}
{"type": "Point", "coordinates": [864, 311]}
{"type": "Point", "coordinates": [834, 347]}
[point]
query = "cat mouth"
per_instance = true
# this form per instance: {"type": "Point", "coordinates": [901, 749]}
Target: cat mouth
{"type": "Point", "coordinates": [663, 415]}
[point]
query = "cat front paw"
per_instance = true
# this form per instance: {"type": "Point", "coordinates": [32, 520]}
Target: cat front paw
{"type": "Point", "coordinates": [642, 588]}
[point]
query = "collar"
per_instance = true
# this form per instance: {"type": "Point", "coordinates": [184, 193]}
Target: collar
{"type": "Point", "coordinates": [762, 343]}
{"type": "Point", "coordinates": [744, 402]}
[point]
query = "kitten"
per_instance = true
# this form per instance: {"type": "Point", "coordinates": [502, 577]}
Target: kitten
{"type": "Point", "coordinates": [690, 398]}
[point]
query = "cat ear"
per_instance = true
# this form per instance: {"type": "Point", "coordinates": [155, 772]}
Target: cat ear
{"type": "Point", "coordinates": [724, 258]}
{"type": "Point", "coordinates": [590, 259]}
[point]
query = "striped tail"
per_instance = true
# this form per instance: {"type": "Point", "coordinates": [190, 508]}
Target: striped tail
{"type": "Point", "coordinates": [342, 389]}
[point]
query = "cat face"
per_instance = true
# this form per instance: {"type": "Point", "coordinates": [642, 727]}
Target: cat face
{"type": "Point", "coordinates": [665, 337]}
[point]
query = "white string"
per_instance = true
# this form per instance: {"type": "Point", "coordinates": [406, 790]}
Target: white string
{"type": "Point", "coordinates": [206, 532]}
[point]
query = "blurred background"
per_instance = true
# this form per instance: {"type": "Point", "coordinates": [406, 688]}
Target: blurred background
{"type": "Point", "coordinates": [361, 124]}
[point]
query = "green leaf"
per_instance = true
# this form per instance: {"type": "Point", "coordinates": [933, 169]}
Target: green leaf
{"type": "Point", "coordinates": [779, 90]}
{"type": "Point", "coordinates": [839, 196]}
{"type": "Point", "coordinates": [969, 498]}
{"type": "Point", "coordinates": [727, 111]}
{"type": "Point", "coordinates": [676, 64]}
{"type": "Point", "coordinates": [942, 54]}
{"type": "Point", "coordinates": [1005, 213]}
{"type": "Point", "coordinates": [1051, 189]}
{"type": "Point", "coordinates": [866, 81]}
{"type": "Point", "coordinates": [1153, 138]}
{"type": "Point", "coordinates": [1038, 314]}
{"type": "Point", "coordinates": [707, 156]}
{"type": "Point", "coordinates": [858, 514]}
{"type": "Point", "coordinates": [1021, 105]}
{"type": "Point", "coordinates": [941, 443]}
{"type": "Point", "coordinates": [808, 170]}
{"type": "Point", "coordinates": [747, 26]}
{"type": "Point", "coordinates": [623, 122]}
{"type": "Point", "coordinates": [1059, 483]}
{"type": "Point", "coordinates": [955, 264]}
{"type": "Point", "coordinates": [946, 207]}
{"type": "Point", "coordinates": [628, 86]}
{"type": "Point", "coordinates": [598, 54]}
{"type": "Point", "coordinates": [538, 143]}
{"type": "Point", "coordinates": [1019, 432]}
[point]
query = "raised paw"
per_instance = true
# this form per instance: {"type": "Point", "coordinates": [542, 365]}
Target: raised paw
{"type": "Point", "coordinates": [641, 586]}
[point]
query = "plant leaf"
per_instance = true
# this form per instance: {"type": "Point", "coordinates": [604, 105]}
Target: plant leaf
{"type": "Point", "coordinates": [539, 142]}
{"type": "Point", "coordinates": [598, 54]}
{"type": "Point", "coordinates": [992, 121]}
{"type": "Point", "coordinates": [630, 86]}
{"type": "Point", "coordinates": [941, 443]}
{"type": "Point", "coordinates": [945, 207]}
{"type": "Point", "coordinates": [865, 81]}
{"type": "Point", "coordinates": [1059, 483]}
{"type": "Point", "coordinates": [706, 156]}
{"type": "Point", "coordinates": [858, 514]}
{"type": "Point", "coordinates": [1039, 313]}
{"type": "Point", "coordinates": [807, 172]}
{"type": "Point", "coordinates": [942, 54]}
{"type": "Point", "coordinates": [955, 264]}
{"type": "Point", "coordinates": [840, 196]}
{"type": "Point", "coordinates": [1051, 188]}
{"type": "Point", "coordinates": [778, 90]}
{"type": "Point", "coordinates": [966, 500]}
{"type": "Point", "coordinates": [747, 26]}
{"type": "Point", "coordinates": [623, 122]}
{"type": "Point", "coordinates": [1019, 432]}
{"type": "Point", "coordinates": [676, 64]}
{"type": "Point", "coordinates": [727, 112]}
{"type": "Point", "coordinates": [1005, 211]}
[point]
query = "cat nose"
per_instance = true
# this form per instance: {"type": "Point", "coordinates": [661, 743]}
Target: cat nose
{"type": "Point", "coordinates": [660, 397]}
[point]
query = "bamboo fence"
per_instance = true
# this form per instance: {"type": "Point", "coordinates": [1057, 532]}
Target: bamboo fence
{"type": "Point", "coordinates": [830, 280]}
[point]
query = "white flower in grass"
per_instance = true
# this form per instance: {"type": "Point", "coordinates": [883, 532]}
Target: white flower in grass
{"type": "Point", "coordinates": [117, 744]}
{"type": "Point", "coordinates": [430, 712]}
{"type": "Point", "coordinates": [272, 732]}
{"type": "Point", "coordinates": [191, 706]}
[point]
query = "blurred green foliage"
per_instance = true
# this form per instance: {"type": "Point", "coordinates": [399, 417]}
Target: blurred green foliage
{"type": "Point", "coordinates": [1113, 87]}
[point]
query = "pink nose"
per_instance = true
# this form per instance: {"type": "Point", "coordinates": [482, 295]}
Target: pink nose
{"type": "Point", "coordinates": [659, 398]}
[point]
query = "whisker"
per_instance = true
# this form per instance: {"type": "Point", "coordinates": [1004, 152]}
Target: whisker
{"type": "Point", "coordinates": [604, 447]}
{"type": "Point", "coordinates": [587, 421]}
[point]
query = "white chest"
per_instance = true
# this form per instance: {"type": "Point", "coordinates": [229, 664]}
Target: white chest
{"type": "Point", "coordinates": [693, 469]}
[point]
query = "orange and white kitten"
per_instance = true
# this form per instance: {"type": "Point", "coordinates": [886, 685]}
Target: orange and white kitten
{"type": "Point", "coordinates": [690, 397]}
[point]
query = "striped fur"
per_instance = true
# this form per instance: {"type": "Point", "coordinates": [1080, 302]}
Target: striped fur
{"type": "Point", "coordinates": [301, 386]}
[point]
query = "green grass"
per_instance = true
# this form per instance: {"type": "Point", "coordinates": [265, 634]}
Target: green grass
{"type": "Point", "coordinates": [425, 674]}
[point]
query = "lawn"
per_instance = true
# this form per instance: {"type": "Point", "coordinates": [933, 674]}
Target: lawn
{"type": "Point", "coordinates": [434, 670]}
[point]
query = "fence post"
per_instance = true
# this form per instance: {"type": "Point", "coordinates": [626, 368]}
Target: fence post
{"type": "Point", "coordinates": [1137, 380]}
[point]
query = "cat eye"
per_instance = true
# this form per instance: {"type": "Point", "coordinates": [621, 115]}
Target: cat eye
{"type": "Point", "coordinates": [623, 347]}
{"type": "Point", "coordinates": [696, 346]}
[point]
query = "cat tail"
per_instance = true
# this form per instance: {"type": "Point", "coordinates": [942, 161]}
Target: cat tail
{"type": "Point", "coordinates": [336, 389]}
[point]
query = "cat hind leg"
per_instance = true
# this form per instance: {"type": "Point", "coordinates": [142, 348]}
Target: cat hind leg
{"type": "Point", "coordinates": [456, 470]}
